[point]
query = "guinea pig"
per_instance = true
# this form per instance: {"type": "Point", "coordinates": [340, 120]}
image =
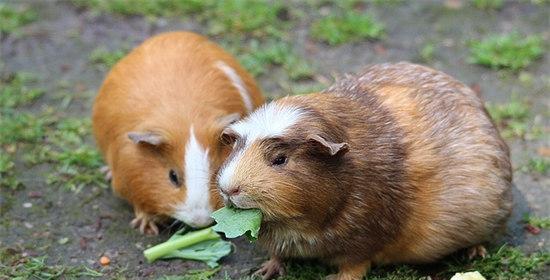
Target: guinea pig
{"type": "Point", "coordinates": [399, 164]}
{"type": "Point", "coordinates": [157, 120]}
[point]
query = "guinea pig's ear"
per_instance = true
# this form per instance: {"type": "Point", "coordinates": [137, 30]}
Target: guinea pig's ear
{"type": "Point", "coordinates": [146, 138]}
{"type": "Point", "coordinates": [228, 120]}
{"type": "Point", "coordinates": [327, 146]}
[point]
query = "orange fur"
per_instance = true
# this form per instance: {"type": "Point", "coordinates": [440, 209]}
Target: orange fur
{"type": "Point", "coordinates": [166, 85]}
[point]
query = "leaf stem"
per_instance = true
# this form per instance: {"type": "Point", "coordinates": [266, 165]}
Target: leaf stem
{"type": "Point", "coordinates": [188, 239]}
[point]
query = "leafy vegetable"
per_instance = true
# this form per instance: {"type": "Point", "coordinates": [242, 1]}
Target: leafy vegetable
{"type": "Point", "coordinates": [206, 245]}
{"type": "Point", "coordinates": [209, 251]}
{"type": "Point", "coordinates": [236, 222]}
{"type": "Point", "coordinates": [201, 245]}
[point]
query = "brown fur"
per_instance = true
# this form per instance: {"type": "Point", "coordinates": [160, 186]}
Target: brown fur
{"type": "Point", "coordinates": [426, 173]}
{"type": "Point", "coordinates": [165, 86]}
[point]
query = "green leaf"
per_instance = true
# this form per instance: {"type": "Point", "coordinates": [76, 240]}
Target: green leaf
{"type": "Point", "coordinates": [178, 242]}
{"type": "Point", "coordinates": [209, 251]}
{"type": "Point", "coordinates": [236, 222]}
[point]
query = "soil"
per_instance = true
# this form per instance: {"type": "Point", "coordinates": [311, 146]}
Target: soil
{"type": "Point", "coordinates": [56, 49]}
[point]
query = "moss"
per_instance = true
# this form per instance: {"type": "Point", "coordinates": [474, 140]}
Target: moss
{"type": "Point", "coordinates": [540, 222]}
{"type": "Point", "coordinates": [15, 266]}
{"type": "Point", "coordinates": [258, 57]}
{"type": "Point", "coordinates": [106, 59]}
{"type": "Point", "coordinates": [537, 165]}
{"type": "Point", "coordinates": [505, 262]}
{"type": "Point", "coordinates": [15, 91]}
{"type": "Point", "coordinates": [502, 263]}
{"type": "Point", "coordinates": [347, 27]}
{"type": "Point", "coordinates": [257, 18]}
{"type": "Point", "coordinates": [7, 173]}
{"type": "Point", "coordinates": [13, 18]}
{"type": "Point", "coordinates": [145, 7]}
{"type": "Point", "coordinates": [253, 17]}
{"type": "Point", "coordinates": [427, 52]}
{"type": "Point", "coordinates": [512, 118]}
{"type": "Point", "coordinates": [487, 4]}
{"type": "Point", "coordinates": [511, 51]}
{"type": "Point", "coordinates": [62, 141]}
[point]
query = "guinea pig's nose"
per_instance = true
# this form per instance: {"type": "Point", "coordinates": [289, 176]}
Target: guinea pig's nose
{"type": "Point", "coordinates": [231, 191]}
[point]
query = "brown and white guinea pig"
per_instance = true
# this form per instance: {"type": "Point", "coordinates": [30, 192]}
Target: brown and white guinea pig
{"type": "Point", "coordinates": [400, 164]}
{"type": "Point", "coordinates": [157, 120]}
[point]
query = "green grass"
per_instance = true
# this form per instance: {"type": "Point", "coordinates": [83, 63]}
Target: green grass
{"type": "Point", "coordinates": [105, 58]}
{"type": "Point", "coordinates": [7, 172]}
{"type": "Point", "coordinates": [539, 2]}
{"type": "Point", "coordinates": [305, 270]}
{"type": "Point", "coordinates": [44, 136]}
{"type": "Point", "coordinates": [14, 266]}
{"type": "Point", "coordinates": [12, 18]}
{"type": "Point", "coordinates": [488, 4]}
{"type": "Point", "coordinates": [198, 274]}
{"type": "Point", "coordinates": [427, 52]}
{"type": "Point", "coordinates": [257, 58]}
{"type": "Point", "coordinates": [348, 27]}
{"type": "Point", "coordinates": [254, 17]}
{"type": "Point", "coordinates": [149, 8]}
{"type": "Point", "coordinates": [15, 91]}
{"type": "Point", "coordinates": [540, 222]}
{"type": "Point", "coordinates": [76, 163]}
{"type": "Point", "coordinates": [504, 263]}
{"type": "Point", "coordinates": [538, 165]}
{"type": "Point", "coordinates": [512, 118]}
{"type": "Point", "coordinates": [16, 126]}
{"type": "Point", "coordinates": [511, 51]}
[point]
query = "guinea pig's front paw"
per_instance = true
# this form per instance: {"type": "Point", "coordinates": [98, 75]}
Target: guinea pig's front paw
{"type": "Point", "coordinates": [145, 223]}
{"type": "Point", "coordinates": [271, 268]}
{"type": "Point", "coordinates": [107, 173]}
{"type": "Point", "coordinates": [477, 251]}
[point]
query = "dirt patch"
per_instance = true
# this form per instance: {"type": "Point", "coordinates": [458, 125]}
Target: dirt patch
{"type": "Point", "coordinates": [77, 228]}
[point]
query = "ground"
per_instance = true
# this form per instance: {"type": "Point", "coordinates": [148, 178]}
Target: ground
{"type": "Point", "coordinates": [54, 55]}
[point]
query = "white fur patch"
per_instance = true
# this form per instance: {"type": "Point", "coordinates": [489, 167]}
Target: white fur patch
{"type": "Point", "coordinates": [237, 83]}
{"type": "Point", "coordinates": [271, 120]}
{"type": "Point", "coordinates": [196, 209]}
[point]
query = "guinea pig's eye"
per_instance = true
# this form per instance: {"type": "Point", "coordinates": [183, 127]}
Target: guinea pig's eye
{"type": "Point", "coordinates": [174, 178]}
{"type": "Point", "coordinates": [228, 137]}
{"type": "Point", "coordinates": [279, 160]}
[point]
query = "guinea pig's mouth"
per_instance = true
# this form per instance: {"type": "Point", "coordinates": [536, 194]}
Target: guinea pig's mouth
{"type": "Point", "coordinates": [239, 202]}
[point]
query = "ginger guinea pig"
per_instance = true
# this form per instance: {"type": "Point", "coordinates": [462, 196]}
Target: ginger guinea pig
{"type": "Point", "coordinates": [400, 164]}
{"type": "Point", "coordinates": [157, 120]}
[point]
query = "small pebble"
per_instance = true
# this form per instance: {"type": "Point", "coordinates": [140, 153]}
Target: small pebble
{"type": "Point", "coordinates": [104, 260]}
{"type": "Point", "coordinates": [63, 240]}
{"type": "Point", "coordinates": [532, 229]}
{"type": "Point", "coordinates": [27, 205]}
{"type": "Point", "coordinates": [35, 194]}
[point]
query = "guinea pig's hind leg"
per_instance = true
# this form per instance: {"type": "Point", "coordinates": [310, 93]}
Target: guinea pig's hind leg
{"type": "Point", "coordinates": [477, 251]}
{"type": "Point", "coordinates": [145, 223]}
{"type": "Point", "coordinates": [351, 272]}
{"type": "Point", "coordinates": [271, 268]}
{"type": "Point", "coordinates": [108, 175]}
